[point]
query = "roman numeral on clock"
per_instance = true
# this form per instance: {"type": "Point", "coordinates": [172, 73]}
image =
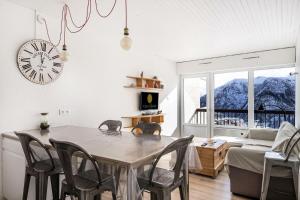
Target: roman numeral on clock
{"type": "Point", "coordinates": [32, 74]}
{"type": "Point", "coordinates": [41, 78]}
{"type": "Point", "coordinates": [28, 51]}
{"type": "Point", "coordinates": [55, 71]}
{"type": "Point", "coordinates": [25, 60]}
{"type": "Point", "coordinates": [50, 76]}
{"type": "Point", "coordinates": [43, 46]}
{"type": "Point", "coordinates": [56, 64]}
{"type": "Point", "coordinates": [35, 46]}
{"type": "Point", "coordinates": [27, 66]}
{"type": "Point", "coordinates": [54, 57]}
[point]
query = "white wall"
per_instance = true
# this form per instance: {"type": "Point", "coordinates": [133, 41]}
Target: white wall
{"type": "Point", "coordinates": [298, 81]}
{"type": "Point", "coordinates": [91, 86]}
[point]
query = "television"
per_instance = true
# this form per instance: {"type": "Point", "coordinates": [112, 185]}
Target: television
{"type": "Point", "coordinates": [149, 101]}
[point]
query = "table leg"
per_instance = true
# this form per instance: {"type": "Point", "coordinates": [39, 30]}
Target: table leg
{"type": "Point", "coordinates": [186, 176]}
{"type": "Point", "coordinates": [132, 193]}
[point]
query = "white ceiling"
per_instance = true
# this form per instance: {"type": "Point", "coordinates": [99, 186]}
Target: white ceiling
{"type": "Point", "coordinates": [190, 29]}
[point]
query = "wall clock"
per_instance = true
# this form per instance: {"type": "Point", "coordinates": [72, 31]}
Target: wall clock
{"type": "Point", "coordinates": [39, 61]}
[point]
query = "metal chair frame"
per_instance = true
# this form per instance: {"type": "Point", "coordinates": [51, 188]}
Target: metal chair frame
{"type": "Point", "coordinates": [41, 175]}
{"type": "Point", "coordinates": [65, 152]}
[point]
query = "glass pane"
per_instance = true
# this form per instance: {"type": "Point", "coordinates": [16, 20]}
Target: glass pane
{"type": "Point", "coordinates": [274, 97]}
{"type": "Point", "coordinates": [195, 100]}
{"type": "Point", "coordinates": [231, 99]}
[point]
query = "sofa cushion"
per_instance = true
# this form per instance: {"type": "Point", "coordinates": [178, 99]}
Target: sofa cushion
{"type": "Point", "coordinates": [262, 134]}
{"type": "Point", "coordinates": [285, 131]}
{"type": "Point", "coordinates": [251, 158]}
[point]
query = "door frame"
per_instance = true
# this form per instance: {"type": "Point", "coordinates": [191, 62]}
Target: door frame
{"type": "Point", "coordinates": [208, 101]}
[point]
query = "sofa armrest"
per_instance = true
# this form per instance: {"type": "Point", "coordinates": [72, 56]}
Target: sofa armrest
{"type": "Point", "coordinates": [262, 134]}
{"type": "Point", "coordinates": [247, 159]}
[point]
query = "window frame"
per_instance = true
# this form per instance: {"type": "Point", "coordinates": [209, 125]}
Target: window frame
{"type": "Point", "coordinates": [210, 93]}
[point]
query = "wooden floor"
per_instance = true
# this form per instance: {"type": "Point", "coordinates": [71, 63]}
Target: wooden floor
{"type": "Point", "coordinates": [203, 188]}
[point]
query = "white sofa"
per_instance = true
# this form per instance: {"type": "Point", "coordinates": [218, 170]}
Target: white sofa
{"type": "Point", "coordinates": [244, 162]}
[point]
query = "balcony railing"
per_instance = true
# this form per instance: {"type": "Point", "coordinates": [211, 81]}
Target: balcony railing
{"type": "Point", "coordinates": [239, 118]}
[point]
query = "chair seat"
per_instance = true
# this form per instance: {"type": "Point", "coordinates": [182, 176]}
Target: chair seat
{"type": "Point", "coordinates": [278, 156]}
{"type": "Point", "coordinates": [162, 178]}
{"type": "Point", "coordinates": [88, 180]}
{"type": "Point", "coordinates": [46, 166]}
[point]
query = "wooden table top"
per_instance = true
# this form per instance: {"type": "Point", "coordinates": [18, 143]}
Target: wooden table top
{"type": "Point", "coordinates": [124, 149]}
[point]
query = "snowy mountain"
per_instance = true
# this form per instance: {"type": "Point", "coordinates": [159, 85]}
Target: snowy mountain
{"type": "Point", "coordinates": [268, 91]}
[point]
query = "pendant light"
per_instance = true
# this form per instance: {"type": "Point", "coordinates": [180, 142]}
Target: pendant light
{"type": "Point", "coordinates": [126, 41]}
{"type": "Point", "coordinates": [68, 24]}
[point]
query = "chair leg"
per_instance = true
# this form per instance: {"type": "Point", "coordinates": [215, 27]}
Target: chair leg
{"type": "Point", "coordinates": [153, 196]}
{"type": "Point", "coordinates": [114, 190]}
{"type": "Point", "coordinates": [181, 191]}
{"type": "Point", "coordinates": [266, 180]}
{"type": "Point", "coordinates": [84, 196]}
{"type": "Point", "coordinates": [55, 186]}
{"type": "Point", "coordinates": [166, 195]}
{"type": "Point", "coordinates": [26, 186]}
{"type": "Point", "coordinates": [295, 171]}
{"type": "Point", "coordinates": [41, 186]}
{"type": "Point", "coordinates": [97, 197]}
{"type": "Point", "coordinates": [63, 193]}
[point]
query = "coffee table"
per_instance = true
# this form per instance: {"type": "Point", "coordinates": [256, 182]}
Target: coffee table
{"type": "Point", "coordinates": [212, 156]}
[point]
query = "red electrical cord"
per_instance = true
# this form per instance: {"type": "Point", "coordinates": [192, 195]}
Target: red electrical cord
{"type": "Point", "coordinates": [66, 12]}
{"type": "Point", "coordinates": [125, 13]}
{"type": "Point", "coordinates": [104, 16]}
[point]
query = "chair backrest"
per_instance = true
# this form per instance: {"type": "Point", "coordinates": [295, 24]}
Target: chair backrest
{"type": "Point", "coordinates": [291, 144]}
{"type": "Point", "coordinates": [180, 146]}
{"type": "Point", "coordinates": [35, 151]}
{"type": "Point", "coordinates": [66, 152]}
{"type": "Point", "coordinates": [112, 125]}
{"type": "Point", "coordinates": [147, 128]}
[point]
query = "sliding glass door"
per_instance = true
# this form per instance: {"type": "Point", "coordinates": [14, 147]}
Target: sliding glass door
{"type": "Point", "coordinates": [195, 104]}
{"type": "Point", "coordinates": [228, 103]}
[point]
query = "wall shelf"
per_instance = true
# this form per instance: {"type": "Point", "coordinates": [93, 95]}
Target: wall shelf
{"type": "Point", "coordinates": [158, 118]}
{"type": "Point", "coordinates": [144, 83]}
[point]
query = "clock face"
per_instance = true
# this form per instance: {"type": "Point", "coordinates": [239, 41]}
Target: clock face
{"type": "Point", "coordinates": [39, 61]}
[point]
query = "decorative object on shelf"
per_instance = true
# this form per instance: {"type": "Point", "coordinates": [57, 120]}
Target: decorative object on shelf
{"type": "Point", "coordinates": [67, 19]}
{"type": "Point", "coordinates": [162, 86]}
{"type": "Point", "coordinates": [39, 61]}
{"type": "Point", "coordinates": [44, 121]}
{"type": "Point", "coordinates": [145, 118]}
{"type": "Point", "coordinates": [142, 74]}
{"type": "Point", "coordinates": [159, 112]}
{"type": "Point", "coordinates": [154, 77]}
{"type": "Point", "coordinates": [145, 83]}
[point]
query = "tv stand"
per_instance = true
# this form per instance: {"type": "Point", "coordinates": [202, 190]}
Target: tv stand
{"type": "Point", "coordinates": [157, 118]}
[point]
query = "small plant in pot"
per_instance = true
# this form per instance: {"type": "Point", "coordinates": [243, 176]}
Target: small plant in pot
{"type": "Point", "coordinates": [44, 121]}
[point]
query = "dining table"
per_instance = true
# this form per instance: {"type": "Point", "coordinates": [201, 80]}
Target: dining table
{"type": "Point", "coordinates": [122, 150]}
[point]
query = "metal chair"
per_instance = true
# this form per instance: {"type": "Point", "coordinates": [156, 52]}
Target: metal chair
{"type": "Point", "coordinates": [284, 159]}
{"type": "Point", "coordinates": [112, 125]}
{"type": "Point", "coordinates": [147, 128]}
{"type": "Point", "coordinates": [41, 165]}
{"type": "Point", "coordinates": [161, 182]}
{"type": "Point", "coordinates": [85, 184]}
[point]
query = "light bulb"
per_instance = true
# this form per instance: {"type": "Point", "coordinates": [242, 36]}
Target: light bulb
{"type": "Point", "coordinates": [126, 41]}
{"type": "Point", "coordinates": [64, 55]}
